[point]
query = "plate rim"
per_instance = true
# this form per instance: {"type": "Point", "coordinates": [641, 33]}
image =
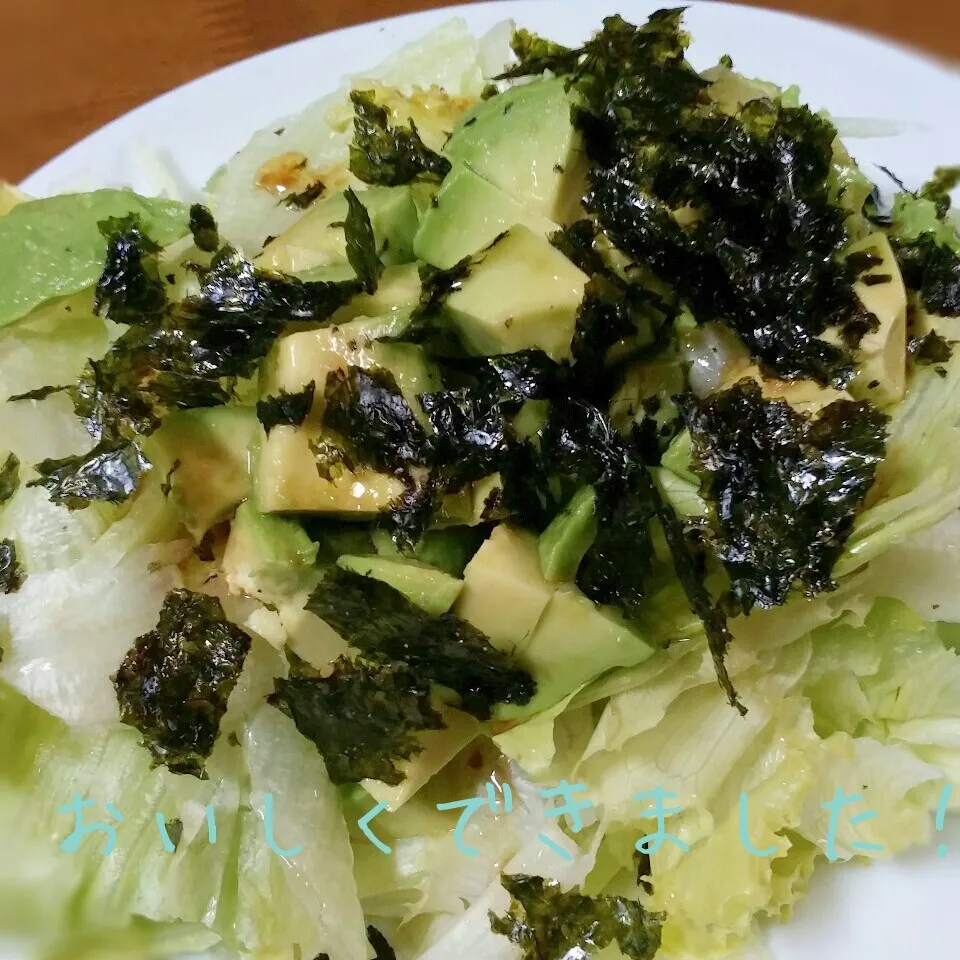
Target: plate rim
{"type": "Point", "coordinates": [920, 58]}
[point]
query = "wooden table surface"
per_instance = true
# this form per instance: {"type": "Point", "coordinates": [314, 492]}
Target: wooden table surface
{"type": "Point", "coordinates": [69, 66]}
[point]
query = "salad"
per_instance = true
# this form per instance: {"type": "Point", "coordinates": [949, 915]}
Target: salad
{"type": "Point", "coordinates": [518, 419]}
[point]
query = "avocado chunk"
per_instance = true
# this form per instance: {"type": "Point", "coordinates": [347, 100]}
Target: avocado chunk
{"type": "Point", "coordinates": [267, 557]}
{"type": "Point", "coordinates": [678, 457]}
{"type": "Point", "coordinates": [521, 293]}
{"type": "Point", "coordinates": [575, 641]}
{"type": "Point", "coordinates": [309, 356]}
{"type": "Point", "coordinates": [449, 550]}
{"type": "Point", "coordinates": [397, 293]}
{"type": "Point", "coordinates": [504, 591]}
{"type": "Point", "coordinates": [563, 544]}
{"type": "Point", "coordinates": [53, 247]}
{"type": "Point", "coordinates": [439, 748]}
{"type": "Point", "coordinates": [681, 494]}
{"type": "Point", "coordinates": [289, 480]}
{"type": "Point", "coordinates": [468, 214]}
{"type": "Point", "coordinates": [524, 142]}
{"type": "Point", "coordinates": [207, 456]}
{"type": "Point", "coordinates": [317, 239]}
{"type": "Point", "coordinates": [427, 587]}
{"type": "Point", "coordinates": [882, 354]}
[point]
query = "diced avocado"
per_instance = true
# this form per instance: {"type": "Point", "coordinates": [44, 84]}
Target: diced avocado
{"type": "Point", "coordinates": [805, 396]}
{"type": "Point", "coordinates": [882, 355]}
{"type": "Point", "coordinates": [398, 292]}
{"type": "Point", "coordinates": [267, 556]}
{"type": "Point", "coordinates": [467, 215]}
{"type": "Point", "coordinates": [575, 641]}
{"type": "Point", "coordinates": [475, 504]}
{"type": "Point", "coordinates": [449, 550]}
{"type": "Point", "coordinates": [678, 457]}
{"type": "Point", "coordinates": [520, 294]}
{"type": "Point", "coordinates": [439, 748]}
{"type": "Point", "coordinates": [288, 480]}
{"type": "Point", "coordinates": [524, 142]}
{"type": "Point", "coordinates": [311, 355]}
{"type": "Point", "coordinates": [563, 544]}
{"type": "Point", "coordinates": [427, 587]}
{"type": "Point", "coordinates": [504, 591]}
{"type": "Point", "coordinates": [317, 238]}
{"type": "Point", "coordinates": [208, 454]}
{"type": "Point", "coordinates": [531, 419]}
{"type": "Point", "coordinates": [53, 247]}
{"type": "Point", "coordinates": [681, 494]}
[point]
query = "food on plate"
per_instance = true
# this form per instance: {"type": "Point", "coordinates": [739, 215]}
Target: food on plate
{"type": "Point", "coordinates": [511, 516]}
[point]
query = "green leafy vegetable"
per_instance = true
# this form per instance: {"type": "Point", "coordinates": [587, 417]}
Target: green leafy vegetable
{"type": "Point", "coordinates": [364, 718]}
{"type": "Point", "coordinates": [383, 625]}
{"type": "Point", "coordinates": [109, 474]}
{"type": "Point", "coordinates": [361, 244]}
{"type": "Point", "coordinates": [549, 924]}
{"type": "Point", "coordinates": [174, 683]}
{"type": "Point", "coordinates": [9, 477]}
{"type": "Point", "coordinates": [204, 228]}
{"type": "Point", "coordinates": [286, 408]}
{"type": "Point", "coordinates": [785, 487]}
{"type": "Point", "coordinates": [386, 155]}
{"type": "Point", "coordinates": [11, 571]}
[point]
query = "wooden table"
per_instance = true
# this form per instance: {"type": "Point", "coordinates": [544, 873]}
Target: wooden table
{"type": "Point", "coordinates": [68, 66]}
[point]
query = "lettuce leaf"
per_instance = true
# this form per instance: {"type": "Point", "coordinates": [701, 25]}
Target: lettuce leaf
{"type": "Point", "coordinates": [864, 700]}
{"type": "Point", "coordinates": [448, 57]}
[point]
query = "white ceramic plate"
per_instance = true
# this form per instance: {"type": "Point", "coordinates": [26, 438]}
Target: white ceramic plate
{"type": "Point", "coordinates": [891, 911]}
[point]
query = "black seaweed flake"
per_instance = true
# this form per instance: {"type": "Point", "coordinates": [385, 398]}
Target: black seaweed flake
{"type": "Point", "coordinates": [367, 407]}
{"type": "Point", "coordinates": [363, 718]}
{"type": "Point", "coordinates": [108, 474]}
{"type": "Point", "coordinates": [383, 625]}
{"type": "Point", "coordinates": [547, 923]}
{"type": "Point", "coordinates": [129, 290]}
{"type": "Point", "coordinates": [386, 155]}
{"type": "Point", "coordinates": [9, 477]}
{"type": "Point", "coordinates": [290, 409]}
{"type": "Point", "coordinates": [174, 683]}
{"type": "Point", "coordinates": [11, 570]}
{"type": "Point", "coordinates": [785, 488]}
{"type": "Point", "coordinates": [204, 228]}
